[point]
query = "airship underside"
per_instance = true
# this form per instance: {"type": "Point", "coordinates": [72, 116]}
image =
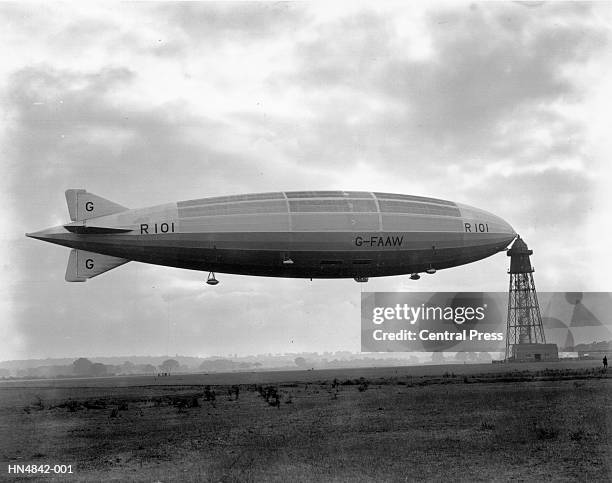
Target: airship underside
{"type": "Point", "coordinates": [301, 234]}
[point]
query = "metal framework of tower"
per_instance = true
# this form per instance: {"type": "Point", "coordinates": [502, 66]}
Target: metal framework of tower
{"type": "Point", "coordinates": [524, 319]}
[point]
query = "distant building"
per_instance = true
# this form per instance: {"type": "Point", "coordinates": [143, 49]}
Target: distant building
{"type": "Point", "coordinates": [536, 352]}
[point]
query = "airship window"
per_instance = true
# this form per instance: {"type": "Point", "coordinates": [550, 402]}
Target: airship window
{"type": "Point", "coordinates": [334, 222]}
{"type": "Point", "coordinates": [392, 196]}
{"type": "Point", "coordinates": [229, 199]}
{"type": "Point", "coordinates": [346, 206]}
{"type": "Point", "coordinates": [328, 194]}
{"type": "Point", "coordinates": [233, 209]}
{"type": "Point", "coordinates": [388, 206]}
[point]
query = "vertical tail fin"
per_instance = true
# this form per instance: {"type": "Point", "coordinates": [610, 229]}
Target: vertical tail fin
{"type": "Point", "coordinates": [83, 205]}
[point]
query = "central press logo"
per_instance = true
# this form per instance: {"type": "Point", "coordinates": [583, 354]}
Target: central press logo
{"type": "Point", "coordinates": [427, 322]}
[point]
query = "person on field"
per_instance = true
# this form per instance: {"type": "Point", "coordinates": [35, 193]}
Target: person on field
{"type": "Point", "coordinates": [605, 362]}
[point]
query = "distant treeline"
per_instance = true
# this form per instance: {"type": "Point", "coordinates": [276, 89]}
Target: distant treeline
{"type": "Point", "coordinates": [593, 346]}
{"type": "Point", "coordinates": [81, 367]}
{"type": "Point", "coordinates": [64, 367]}
{"type": "Point", "coordinates": [84, 367]}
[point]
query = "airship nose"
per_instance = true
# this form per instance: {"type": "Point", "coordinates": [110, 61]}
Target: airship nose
{"type": "Point", "coordinates": [502, 225]}
{"type": "Point", "coordinates": [480, 221]}
{"type": "Point", "coordinates": [509, 229]}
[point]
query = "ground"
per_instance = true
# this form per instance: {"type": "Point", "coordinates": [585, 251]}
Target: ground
{"type": "Point", "coordinates": [465, 423]}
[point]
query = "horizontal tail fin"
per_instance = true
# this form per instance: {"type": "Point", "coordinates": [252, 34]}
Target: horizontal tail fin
{"type": "Point", "coordinates": [83, 205]}
{"type": "Point", "coordinates": [95, 230]}
{"type": "Point", "coordinates": [83, 265]}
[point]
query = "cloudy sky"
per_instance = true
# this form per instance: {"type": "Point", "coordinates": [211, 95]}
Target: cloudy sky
{"type": "Point", "coordinates": [505, 106]}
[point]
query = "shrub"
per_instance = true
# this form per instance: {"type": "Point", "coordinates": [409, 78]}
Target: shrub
{"type": "Point", "coordinates": [487, 425]}
{"type": "Point", "coordinates": [72, 405]}
{"type": "Point", "coordinates": [546, 432]}
{"type": "Point", "coordinates": [39, 403]}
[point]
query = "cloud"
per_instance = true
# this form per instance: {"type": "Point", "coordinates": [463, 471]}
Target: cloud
{"type": "Point", "coordinates": [70, 128]}
{"type": "Point", "coordinates": [487, 64]}
{"type": "Point", "coordinates": [492, 105]}
{"type": "Point", "coordinates": [564, 201]}
{"type": "Point", "coordinates": [215, 22]}
{"type": "Point", "coordinates": [489, 104]}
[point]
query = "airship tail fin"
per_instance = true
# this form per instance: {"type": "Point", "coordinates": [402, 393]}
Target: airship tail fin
{"type": "Point", "coordinates": [83, 205]}
{"type": "Point", "coordinates": [83, 265]}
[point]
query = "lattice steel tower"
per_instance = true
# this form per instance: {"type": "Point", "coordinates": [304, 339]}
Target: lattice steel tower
{"type": "Point", "coordinates": [524, 319]}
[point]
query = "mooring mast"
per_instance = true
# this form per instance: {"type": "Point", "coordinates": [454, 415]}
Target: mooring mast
{"type": "Point", "coordinates": [524, 319]}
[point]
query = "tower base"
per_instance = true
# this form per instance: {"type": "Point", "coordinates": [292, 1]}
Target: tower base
{"type": "Point", "coordinates": [533, 352]}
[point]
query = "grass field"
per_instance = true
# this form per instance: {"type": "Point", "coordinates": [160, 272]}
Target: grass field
{"type": "Point", "coordinates": [461, 423]}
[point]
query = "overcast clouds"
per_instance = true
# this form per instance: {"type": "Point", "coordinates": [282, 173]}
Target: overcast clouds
{"type": "Point", "coordinates": [504, 106]}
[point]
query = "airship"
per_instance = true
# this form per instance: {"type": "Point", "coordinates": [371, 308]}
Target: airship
{"type": "Point", "coordinates": [294, 234]}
